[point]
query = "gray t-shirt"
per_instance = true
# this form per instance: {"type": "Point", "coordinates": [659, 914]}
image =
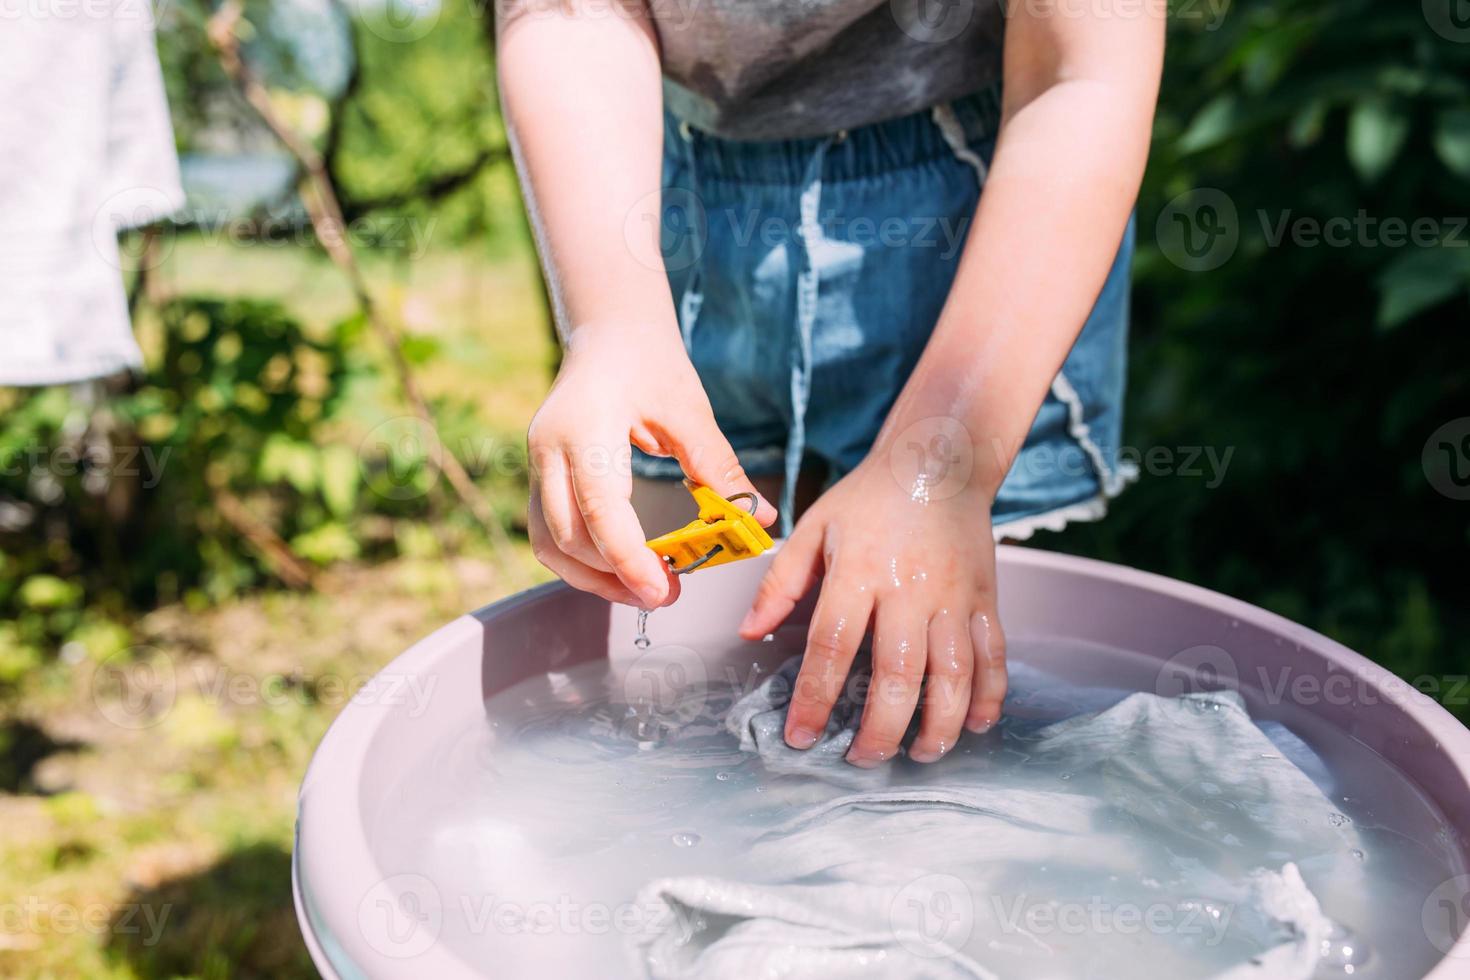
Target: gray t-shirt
{"type": "Point", "coordinates": [787, 69]}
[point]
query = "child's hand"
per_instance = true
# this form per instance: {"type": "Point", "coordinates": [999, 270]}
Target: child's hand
{"type": "Point", "coordinates": [619, 384]}
{"type": "Point", "coordinates": [925, 572]}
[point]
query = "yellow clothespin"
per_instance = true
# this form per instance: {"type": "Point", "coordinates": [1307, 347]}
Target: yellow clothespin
{"type": "Point", "coordinates": [722, 533]}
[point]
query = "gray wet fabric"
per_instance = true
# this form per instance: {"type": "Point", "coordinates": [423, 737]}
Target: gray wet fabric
{"type": "Point", "coordinates": [751, 70]}
{"type": "Point", "coordinates": [1181, 806]}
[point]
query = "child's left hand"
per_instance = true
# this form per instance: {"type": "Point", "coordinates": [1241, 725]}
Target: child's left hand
{"type": "Point", "coordinates": [924, 571]}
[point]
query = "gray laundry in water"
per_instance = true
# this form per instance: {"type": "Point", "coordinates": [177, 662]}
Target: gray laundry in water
{"type": "Point", "coordinates": [1180, 808]}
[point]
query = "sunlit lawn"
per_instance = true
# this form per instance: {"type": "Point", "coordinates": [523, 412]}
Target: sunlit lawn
{"type": "Point", "coordinates": [164, 851]}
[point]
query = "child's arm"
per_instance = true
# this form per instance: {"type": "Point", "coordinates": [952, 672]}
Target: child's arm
{"type": "Point", "coordinates": [910, 545]}
{"type": "Point", "coordinates": [582, 91]}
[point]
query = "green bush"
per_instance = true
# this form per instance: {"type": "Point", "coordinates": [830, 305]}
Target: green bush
{"type": "Point", "coordinates": [114, 505]}
{"type": "Point", "coordinates": [1323, 366]}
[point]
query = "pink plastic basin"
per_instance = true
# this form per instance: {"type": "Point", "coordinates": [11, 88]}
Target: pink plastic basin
{"type": "Point", "coordinates": [363, 920]}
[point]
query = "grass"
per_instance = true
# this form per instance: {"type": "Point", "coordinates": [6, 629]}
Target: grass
{"type": "Point", "coordinates": [164, 851]}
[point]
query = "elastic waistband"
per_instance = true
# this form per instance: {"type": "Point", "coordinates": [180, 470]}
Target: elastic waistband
{"type": "Point", "coordinates": [869, 151]}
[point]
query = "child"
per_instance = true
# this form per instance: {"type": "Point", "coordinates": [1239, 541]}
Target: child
{"type": "Point", "coordinates": [833, 291]}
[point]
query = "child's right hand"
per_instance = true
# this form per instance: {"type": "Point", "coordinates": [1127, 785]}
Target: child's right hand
{"type": "Point", "coordinates": [620, 384]}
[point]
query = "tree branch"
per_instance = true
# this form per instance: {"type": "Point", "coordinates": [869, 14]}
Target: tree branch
{"type": "Point", "coordinates": [319, 195]}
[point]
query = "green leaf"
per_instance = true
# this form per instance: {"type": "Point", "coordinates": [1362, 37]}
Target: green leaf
{"type": "Point", "coordinates": [1211, 125]}
{"type": "Point", "coordinates": [340, 479]}
{"type": "Point", "coordinates": [1420, 280]}
{"type": "Point", "coordinates": [326, 544]}
{"type": "Point", "coordinates": [49, 592]}
{"type": "Point", "coordinates": [1376, 132]}
{"type": "Point", "coordinates": [419, 349]}
{"type": "Point", "coordinates": [1306, 126]}
{"type": "Point", "coordinates": [1452, 140]}
{"type": "Point", "coordinates": [283, 458]}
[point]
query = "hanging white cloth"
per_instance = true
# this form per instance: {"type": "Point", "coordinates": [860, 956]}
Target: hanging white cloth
{"type": "Point", "coordinates": [87, 151]}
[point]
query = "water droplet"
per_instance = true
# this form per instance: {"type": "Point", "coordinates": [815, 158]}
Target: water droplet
{"type": "Point", "coordinates": [724, 776]}
{"type": "Point", "coordinates": [641, 641]}
{"type": "Point", "coordinates": [1358, 855]}
{"type": "Point", "coordinates": [1066, 775]}
{"type": "Point", "coordinates": [1337, 819]}
{"type": "Point", "coordinates": [769, 638]}
{"type": "Point", "coordinates": [686, 838]}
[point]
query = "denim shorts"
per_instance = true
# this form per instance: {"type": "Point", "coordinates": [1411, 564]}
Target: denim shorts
{"type": "Point", "coordinates": [809, 275]}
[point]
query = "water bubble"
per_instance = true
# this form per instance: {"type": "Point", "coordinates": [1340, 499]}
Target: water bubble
{"type": "Point", "coordinates": [1358, 855]}
{"type": "Point", "coordinates": [1337, 819]}
{"type": "Point", "coordinates": [686, 838]}
{"type": "Point", "coordinates": [1343, 949]}
{"type": "Point", "coordinates": [724, 775]}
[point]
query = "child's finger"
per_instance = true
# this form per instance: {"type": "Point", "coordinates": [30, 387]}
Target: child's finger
{"type": "Point", "coordinates": [569, 570]}
{"type": "Point", "coordinates": [552, 491]}
{"type": "Point", "coordinates": [988, 691]}
{"type": "Point", "coordinates": [792, 574]}
{"type": "Point", "coordinates": [947, 683]}
{"type": "Point", "coordinates": [900, 651]}
{"type": "Point", "coordinates": [838, 625]}
{"type": "Point", "coordinates": [603, 493]}
{"type": "Point", "coordinates": [707, 457]}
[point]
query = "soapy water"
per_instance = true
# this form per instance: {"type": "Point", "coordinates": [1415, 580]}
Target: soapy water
{"type": "Point", "coordinates": [538, 825]}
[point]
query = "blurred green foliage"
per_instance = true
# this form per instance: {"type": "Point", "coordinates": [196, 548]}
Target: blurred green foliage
{"type": "Point", "coordinates": [1324, 365]}
{"type": "Point", "coordinates": [121, 506]}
